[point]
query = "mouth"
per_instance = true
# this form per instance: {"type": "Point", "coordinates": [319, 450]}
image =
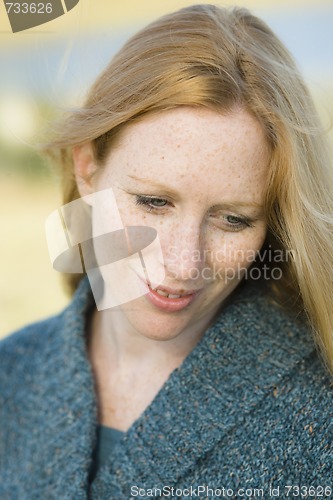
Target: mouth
{"type": "Point", "coordinates": [172, 293]}
{"type": "Point", "coordinates": [169, 299]}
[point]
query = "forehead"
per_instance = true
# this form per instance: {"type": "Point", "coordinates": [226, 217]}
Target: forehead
{"type": "Point", "coordinates": [195, 147]}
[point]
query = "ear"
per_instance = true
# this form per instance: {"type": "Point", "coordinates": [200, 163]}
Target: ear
{"type": "Point", "coordinates": [84, 168]}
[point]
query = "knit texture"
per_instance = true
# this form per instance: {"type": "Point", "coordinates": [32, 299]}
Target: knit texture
{"type": "Point", "coordinates": [250, 407]}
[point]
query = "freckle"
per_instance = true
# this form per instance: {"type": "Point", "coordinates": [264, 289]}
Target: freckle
{"type": "Point", "coordinates": [162, 157]}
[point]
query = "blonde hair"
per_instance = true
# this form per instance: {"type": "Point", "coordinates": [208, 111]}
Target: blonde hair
{"type": "Point", "coordinates": [207, 56]}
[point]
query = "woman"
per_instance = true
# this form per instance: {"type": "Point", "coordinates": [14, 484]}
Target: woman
{"type": "Point", "coordinates": [199, 367]}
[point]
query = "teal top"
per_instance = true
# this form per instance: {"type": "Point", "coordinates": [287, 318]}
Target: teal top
{"type": "Point", "coordinates": [107, 438]}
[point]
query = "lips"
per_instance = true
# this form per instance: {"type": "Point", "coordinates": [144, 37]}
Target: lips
{"type": "Point", "coordinates": [168, 299]}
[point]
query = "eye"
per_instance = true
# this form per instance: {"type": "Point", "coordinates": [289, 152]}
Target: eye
{"type": "Point", "coordinates": [231, 222]}
{"type": "Point", "coordinates": [237, 223]}
{"type": "Point", "coordinates": [151, 203]}
{"type": "Point", "coordinates": [232, 219]}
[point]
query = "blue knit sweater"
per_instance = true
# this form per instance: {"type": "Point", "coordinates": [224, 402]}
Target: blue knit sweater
{"type": "Point", "coordinates": [250, 407]}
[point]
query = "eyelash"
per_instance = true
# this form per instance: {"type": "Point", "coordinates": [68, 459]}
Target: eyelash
{"type": "Point", "coordinates": [242, 222]}
{"type": "Point", "coordinates": [146, 202]}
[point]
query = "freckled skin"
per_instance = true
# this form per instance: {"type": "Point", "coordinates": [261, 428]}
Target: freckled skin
{"type": "Point", "coordinates": [204, 159]}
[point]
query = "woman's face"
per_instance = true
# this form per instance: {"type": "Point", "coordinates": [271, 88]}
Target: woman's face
{"type": "Point", "coordinates": [198, 177]}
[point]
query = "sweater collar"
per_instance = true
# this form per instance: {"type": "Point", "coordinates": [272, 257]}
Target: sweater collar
{"type": "Point", "coordinates": [67, 406]}
{"type": "Point", "coordinates": [246, 354]}
{"type": "Point", "coordinates": [251, 348]}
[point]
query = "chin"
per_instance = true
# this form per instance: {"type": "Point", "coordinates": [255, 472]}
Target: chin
{"type": "Point", "coordinates": [162, 329]}
{"type": "Point", "coordinates": [156, 325]}
{"type": "Point", "coordinates": [161, 336]}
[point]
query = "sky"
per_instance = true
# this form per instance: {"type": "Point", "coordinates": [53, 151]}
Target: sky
{"type": "Point", "coordinates": [57, 62]}
{"type": "Point", "coordinates": [67, 62]}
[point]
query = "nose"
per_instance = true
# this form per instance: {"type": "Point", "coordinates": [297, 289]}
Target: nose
{"type": "Point", "coordinates": [183, 251]}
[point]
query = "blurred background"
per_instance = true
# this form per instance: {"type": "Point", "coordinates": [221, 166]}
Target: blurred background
{"type": "Point", "coordinates": [45, 70]}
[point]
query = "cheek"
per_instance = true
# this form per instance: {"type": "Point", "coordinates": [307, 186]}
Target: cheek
{"type": "Point", "coordinates": [237, 249]}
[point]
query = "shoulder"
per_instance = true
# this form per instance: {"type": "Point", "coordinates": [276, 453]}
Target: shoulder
{"type": "Point", "coordinates": [254, 314]}
{"type": "Point", "coordinates": [39, 339]}
{"type": "Point", "coordinates": [33, 352]}
{"type": "Point", "coordinates": [270, 345]}
{"type": "Point", "coordinates": [259, 367]}
{"type": "Point", "coordinates": [30, 337]}
{"type": "Point", "coordinates": [23, 352]}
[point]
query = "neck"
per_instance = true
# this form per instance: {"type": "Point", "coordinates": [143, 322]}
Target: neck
{"type": "Point", "coordinates": [129, 367]}
{"type": "Point", "coordinates": [124, 348]}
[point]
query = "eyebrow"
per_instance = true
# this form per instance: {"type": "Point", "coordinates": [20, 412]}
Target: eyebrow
{"type": "Point", "coordinates": [237, 204]}
{"type": "Point", "coordinates": [228, 204]}
{"type": "Point", "coordinates": [154, 184]}
{"type": "Point", "coordinates": [144, 180]}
